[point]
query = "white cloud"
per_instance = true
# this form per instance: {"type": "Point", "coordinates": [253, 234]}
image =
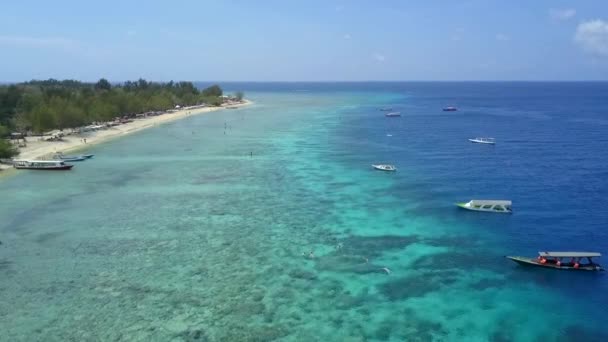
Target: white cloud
{"type": "Point", "coordinates": [562, 14]}
{"type": "Point", "coordinates": [502, 37]}
{"type": "Point", "coordinates": [36, 42]}
{"type": "Point", "coordinates": [347, 36]}
{"type": "Point", "coordinates": [592, 35]}
{"type": "Point", "coordinates": [379, 57]}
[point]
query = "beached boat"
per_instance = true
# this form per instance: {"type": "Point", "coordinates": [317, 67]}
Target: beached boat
{"type": "Point", "coordinates": [384, 167]}
{"type": "Point", "coordinates": [570, 261]}
{"type": "Point", "coordinates": [75, 158]}
{"type": "Point", "coordinates": [393, 114]}
{"type": "Point", "coordinates": [450, 109]}
{"type": "Point", "coordinates": [480, 140]}
{"type": "Point", "coordinates": [41, 165]}
{"type": "Point", "coordinates": [493, 206]}
{"type": "Point", "coordinates": [69, 158]}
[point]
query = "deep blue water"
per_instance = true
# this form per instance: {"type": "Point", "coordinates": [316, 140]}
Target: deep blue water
{"type": "Point", "coordinates": [176, 233]}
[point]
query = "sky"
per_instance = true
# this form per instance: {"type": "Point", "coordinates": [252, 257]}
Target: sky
{"type": "Point", "coordinates": [313, 40]}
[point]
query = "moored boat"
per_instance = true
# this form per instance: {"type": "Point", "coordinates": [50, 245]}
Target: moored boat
{"type": "Point", "coordinates": [570, 261]}
{"type": "Point", "coordinates": [493, 206]}
{"type": "Point", "coordinates": [73, 158]}
{"type": "Point", "coordinates": [384, 167]}
{"type": "Point", "coordinates": [450, 109]}
{"type": "Point", "coordinates": [41, 165]}
{"type": "Point", "coordinates": [480, 140]}
{"type": "Point", "coordinates": [393, 114]}
{"type": "Point", "coordinates": [70, 158]}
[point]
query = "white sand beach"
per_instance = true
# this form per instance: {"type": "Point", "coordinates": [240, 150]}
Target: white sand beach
{"type": "Point", "coordinates": [38, 148]}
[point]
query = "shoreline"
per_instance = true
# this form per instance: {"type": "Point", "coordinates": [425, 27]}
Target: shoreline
{"type": "Point", "coordinates": [40, 149]}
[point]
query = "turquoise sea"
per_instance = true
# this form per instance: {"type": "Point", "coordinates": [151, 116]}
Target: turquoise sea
{"type": "Point", "coordinates": [203, 229]}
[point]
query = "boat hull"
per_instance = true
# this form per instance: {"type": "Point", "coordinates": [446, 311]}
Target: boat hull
{"type": "Point", "coordinates": [380, 168]}
{"type": "Point", "coordinates": [50, 168]}
{"type": "Point", "coordinates": [467, 207]}
{"type": "Point", "coordinates": [73, 159]}
{"type": "Point", "coordinates": [534, 262]}
{"type": "Point", "coordinates": [482, 142]}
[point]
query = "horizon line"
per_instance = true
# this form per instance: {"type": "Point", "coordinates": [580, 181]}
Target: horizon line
{"type": "Point", "coordinates": [322, 81]}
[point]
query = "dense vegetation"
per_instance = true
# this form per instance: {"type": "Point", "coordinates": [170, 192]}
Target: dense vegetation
{"type": "Point", "coordinates": [40, 106]}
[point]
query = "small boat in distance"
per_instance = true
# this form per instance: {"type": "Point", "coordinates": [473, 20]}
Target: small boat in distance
{"type": "Point", "coordinates": [41, 165]}
{"type": "Point", "coordinates": [386, 109]}
{"type": "Point", "coordinates": [384, 167]}
{"type": "Point", "coordinates": [555, 260]}
{"type": "Point", "coordinates": [479, 140]}
{"type": "Point", "coordinates": [492, 206]}
{"type": "Point", "coordinates": [393, 114]}
{"type": "Point", "coordinates": [450, 109]}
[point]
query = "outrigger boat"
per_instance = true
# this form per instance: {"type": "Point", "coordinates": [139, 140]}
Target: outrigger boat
{"type": "Point", "coordinates": [494, 206]}
{"type": "Point", "coordinates": [41, 165]}
{"type": "Point", "coordinates": [392, 114]}
{"type": "Point", "coordinates": [69, 158]}
{"type": "Point", "coordinates": [384, 167]}
{"type": "Point", "coordinates": [479, 140]}
{"type": "Point", "coordinates": [555, 260]}
{"type": "Point", "coordinates": [62, 156]}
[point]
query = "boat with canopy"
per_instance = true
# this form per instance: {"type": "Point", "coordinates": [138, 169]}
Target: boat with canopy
{"type": "Point", "coordinates": [384, 167]}
{"type": "Point", "coordinates": [480, 140]}
{"type": "Point", "coordinates": [494, 206]}
{"type": "Point", "coordinates": [41, 165]}
{"type": "Point", "coordinates": [571, 261]}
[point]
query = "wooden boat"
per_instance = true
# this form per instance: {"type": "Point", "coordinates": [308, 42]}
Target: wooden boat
{"type": "Point", "coordinates": [73, 158]}
{"type": "Point", "coordinates": [70, 158]}
{"type": "Point", "coordinates": [570, 261]}
{"type": "Point", "coordinates": [41, 165]}
{"type": "Point", "coordinates": [450, 109]}
{"type": "Point", "coordinates": [480, 140]}
{"type": "Point", "coordinates": [492, 206]}
{"type": "Point", "coordinates": [392, 114]}
{"type": "Point", "coordinates": [384, 167]}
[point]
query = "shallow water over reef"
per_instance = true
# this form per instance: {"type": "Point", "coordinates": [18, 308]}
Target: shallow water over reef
{"type": "Point", "coordinates": [202, 229]}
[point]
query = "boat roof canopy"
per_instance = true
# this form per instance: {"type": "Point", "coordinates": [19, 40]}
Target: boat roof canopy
{"type": "Point", "coordinates": [491, 202]}
{"type": "Point", "coordinates": [36, 161]}
{"type": "Point", "coordinates": [569, 254]}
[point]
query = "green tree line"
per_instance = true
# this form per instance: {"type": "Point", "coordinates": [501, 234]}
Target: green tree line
{"type": "Point", "coordinates": [40, 106]}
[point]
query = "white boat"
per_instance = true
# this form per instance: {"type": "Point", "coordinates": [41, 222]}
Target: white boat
{"type": "Point", "coordinates": [493, 206]}
{"type": "Point", "coordinates": [480, 140]}
{"type": "Point", "coordinates": [393, 114]}
{"type": "Point", "coordinates": [41, 165]}
{"type": "Point", "coordinates": [384, 167]}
